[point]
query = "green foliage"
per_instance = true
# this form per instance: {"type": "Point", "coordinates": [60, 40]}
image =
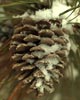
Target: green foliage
{"type": "Point", "coordinates": [19, 2]}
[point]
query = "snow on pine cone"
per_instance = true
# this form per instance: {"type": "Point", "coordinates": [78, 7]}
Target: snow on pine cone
{"type": "Point", "coordinates": [39, 53]}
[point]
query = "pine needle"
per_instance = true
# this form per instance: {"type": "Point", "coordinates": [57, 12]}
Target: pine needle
{"type": "Point", "coordinates": [69, 10]}
{"type": "Point", "coordinates": [19, 3]}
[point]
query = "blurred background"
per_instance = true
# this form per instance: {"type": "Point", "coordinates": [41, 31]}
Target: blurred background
{"type": "Point", "coordinates": [69, 87]}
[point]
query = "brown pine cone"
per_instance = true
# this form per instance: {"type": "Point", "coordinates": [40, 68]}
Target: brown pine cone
{"type": "Point", "coordinates": [39, 54]}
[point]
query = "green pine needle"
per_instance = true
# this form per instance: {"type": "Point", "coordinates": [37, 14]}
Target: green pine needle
{"type": "Point", "coordinates": [19, 3]}
{"type": "Point", "coordinates": [75, 7]}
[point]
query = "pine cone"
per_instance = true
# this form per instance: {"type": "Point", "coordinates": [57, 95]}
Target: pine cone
{"type": "Point", "coordinates": [39, 54]}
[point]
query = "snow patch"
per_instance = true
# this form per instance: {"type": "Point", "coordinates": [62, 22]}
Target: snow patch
{"type": "Point", "coordinates": [54, 12]}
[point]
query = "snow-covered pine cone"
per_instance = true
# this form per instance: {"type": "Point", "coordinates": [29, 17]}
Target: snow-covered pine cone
{"type": "Point", "coordinates": [39, 53]}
